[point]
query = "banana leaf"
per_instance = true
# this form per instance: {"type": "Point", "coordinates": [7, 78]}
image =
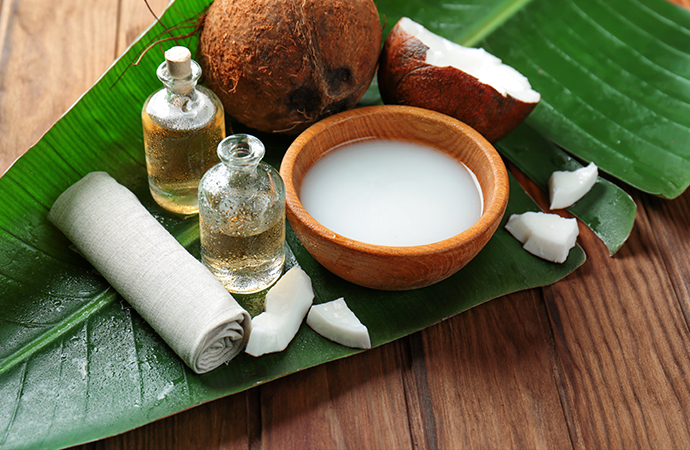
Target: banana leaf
{"type": "Point", "coordinates": [77, 363]}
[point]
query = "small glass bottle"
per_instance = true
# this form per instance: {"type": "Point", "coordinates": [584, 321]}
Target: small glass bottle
{"type": "Point", "coordinates": [183, 124]}
{"type": "Point", "coordinates": [242, 217]}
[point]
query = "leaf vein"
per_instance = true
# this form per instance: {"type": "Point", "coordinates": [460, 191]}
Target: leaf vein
{"type": "Point", "coordinates": [622, 69]}
{"type": "Point", "coordinates": [543, 72]}
{"type": "Point", "coordinates": [60, 328]}
{"type": "Point", "coordinates": [30, 246]}
{"type": "Point", "coordinates": [17, 402]}
{"type": "Point", "coordinates": [623, 43]}
{"type": "Point", "coordinates": [612, 120]}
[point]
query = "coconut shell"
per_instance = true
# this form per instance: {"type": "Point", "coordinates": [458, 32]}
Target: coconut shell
{"type": "Point", "coordinates": [280, 66]}
{"type": "Point", "coordinates": [405, 78]}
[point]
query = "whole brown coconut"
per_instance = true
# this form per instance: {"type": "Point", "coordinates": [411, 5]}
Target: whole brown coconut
{"type": "Point", "coordinates": [419, 68]}
{"type": "Point", "coordinates": [281, 65]}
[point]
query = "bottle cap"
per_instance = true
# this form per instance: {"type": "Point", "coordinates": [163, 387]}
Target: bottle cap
{"type": "Point", "coordinates": [179, 62]}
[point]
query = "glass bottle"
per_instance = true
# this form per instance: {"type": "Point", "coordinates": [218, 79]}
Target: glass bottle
{"type": "Point", "coordinates": [183, 124]}
{"type": "Point", "coordinates": [242, 217]}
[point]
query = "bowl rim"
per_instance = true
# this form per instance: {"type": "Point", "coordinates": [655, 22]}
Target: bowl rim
{"type": "Point", "coordinates": [492, 214]}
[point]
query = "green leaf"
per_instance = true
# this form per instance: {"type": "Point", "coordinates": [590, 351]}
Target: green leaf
{"type": "Point", "coordinates": [606, 209]}
{"type": "Point", "coordinates": [615, 83]}
{"type": "Point", "coordinates": [77, 363]}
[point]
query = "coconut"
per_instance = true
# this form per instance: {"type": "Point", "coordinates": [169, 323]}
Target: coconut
{"type": "Point", "coordinates": [548, 236]}
{"type": "Point", "coordinates": [280, 66]}
{"type": "Point", "coordinates": [420, 68]}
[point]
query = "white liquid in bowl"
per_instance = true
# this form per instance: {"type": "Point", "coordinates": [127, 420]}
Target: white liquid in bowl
{"type": "Point", "coordinates": [392, 193]}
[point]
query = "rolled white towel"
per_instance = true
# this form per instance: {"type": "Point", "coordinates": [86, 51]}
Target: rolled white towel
{"type": "Point", "coordinates": [174, 292]}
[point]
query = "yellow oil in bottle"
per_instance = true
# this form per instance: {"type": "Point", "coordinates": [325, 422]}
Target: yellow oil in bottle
{"type": "Point", "coordinates": [183, 124]}
{"type": "Point", "coordinates": [176, 159]}
{"type": "Point", "coordinates": [242, 217]}
{"type": "Point", "coordinates": [244, 262]}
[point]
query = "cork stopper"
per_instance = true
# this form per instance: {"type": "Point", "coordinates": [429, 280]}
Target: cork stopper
{"type": "Point", "coordinates": [179, 62]}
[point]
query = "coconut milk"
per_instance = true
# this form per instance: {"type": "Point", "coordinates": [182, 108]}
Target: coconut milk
{"type": "Point", "coordinates": [392, 193]}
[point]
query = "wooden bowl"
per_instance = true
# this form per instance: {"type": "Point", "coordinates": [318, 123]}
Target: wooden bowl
{"type": "Point", "coordinates": [388, 267]}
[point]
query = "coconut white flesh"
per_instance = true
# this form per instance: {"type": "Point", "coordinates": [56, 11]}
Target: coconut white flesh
{"type": "Point", "coordinates": [292, 289]}
{"type": "Point", "coordinates": [548, 236]}
{"type": "Point", "coordinates": [477, 62]}
{"type": "Point", "coordinates": [287, 302]}
{"type": "Point", "coordinates": [335, 321]}
{"type": "Point", "coordinates": [566, 188]}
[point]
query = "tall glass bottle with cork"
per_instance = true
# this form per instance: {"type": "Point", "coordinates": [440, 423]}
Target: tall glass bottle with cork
{"type": "Point", "coordinates": [183, 124]}
{"type": "Point", "coordinates": [242, 217]}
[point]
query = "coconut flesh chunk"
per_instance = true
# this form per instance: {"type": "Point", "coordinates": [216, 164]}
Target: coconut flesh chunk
{"type": "Point", "coordinates": [335, 321]}
{"type": "Point", "coordinates": [287, 302]}
{"type": "Point", "coordinates": [566, 188]}
{"type": "Point", "coordinates": [548, 236]}
{"type": "Point", "coordinates": [477, 62]}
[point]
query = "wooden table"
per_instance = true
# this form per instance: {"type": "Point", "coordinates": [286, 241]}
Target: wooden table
{"type": "Point", "coordinates": [598, 360]}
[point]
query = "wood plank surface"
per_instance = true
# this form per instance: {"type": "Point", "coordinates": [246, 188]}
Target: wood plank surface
{"type": "Point", "coordinates": [486, 378]}
{"type": "Point", "coordinates": [40, 76]}
{"type": "Point", "coordinates": [339, 405]}
{"type": "Point", "coordinates": [597, 360]}
{"type": "Point", "coordinates": [622, 347]}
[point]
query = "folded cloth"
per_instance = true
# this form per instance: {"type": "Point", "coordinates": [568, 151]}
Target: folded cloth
{"type": "Point", "coordinates": [174, 292]}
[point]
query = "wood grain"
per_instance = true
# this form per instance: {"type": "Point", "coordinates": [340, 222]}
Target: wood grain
{"type": "Point", "coordinates": [52, 55]}
{"type": "Point", "coordinates": [598, 360]}
{"type": "Point", "coordinates": [622, 347]}
{"type": "Point", "coordinates": [339, 405]}
{"type": "Point", "coordinates": [41, 77]}
{"type": "Point", "coordinates": [488, 375]}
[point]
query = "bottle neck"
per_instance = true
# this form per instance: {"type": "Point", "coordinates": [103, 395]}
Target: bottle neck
{"type": "Point", "coordinates": [179, 86]}
{"type": "Point", "coordinates": [241, 152]}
